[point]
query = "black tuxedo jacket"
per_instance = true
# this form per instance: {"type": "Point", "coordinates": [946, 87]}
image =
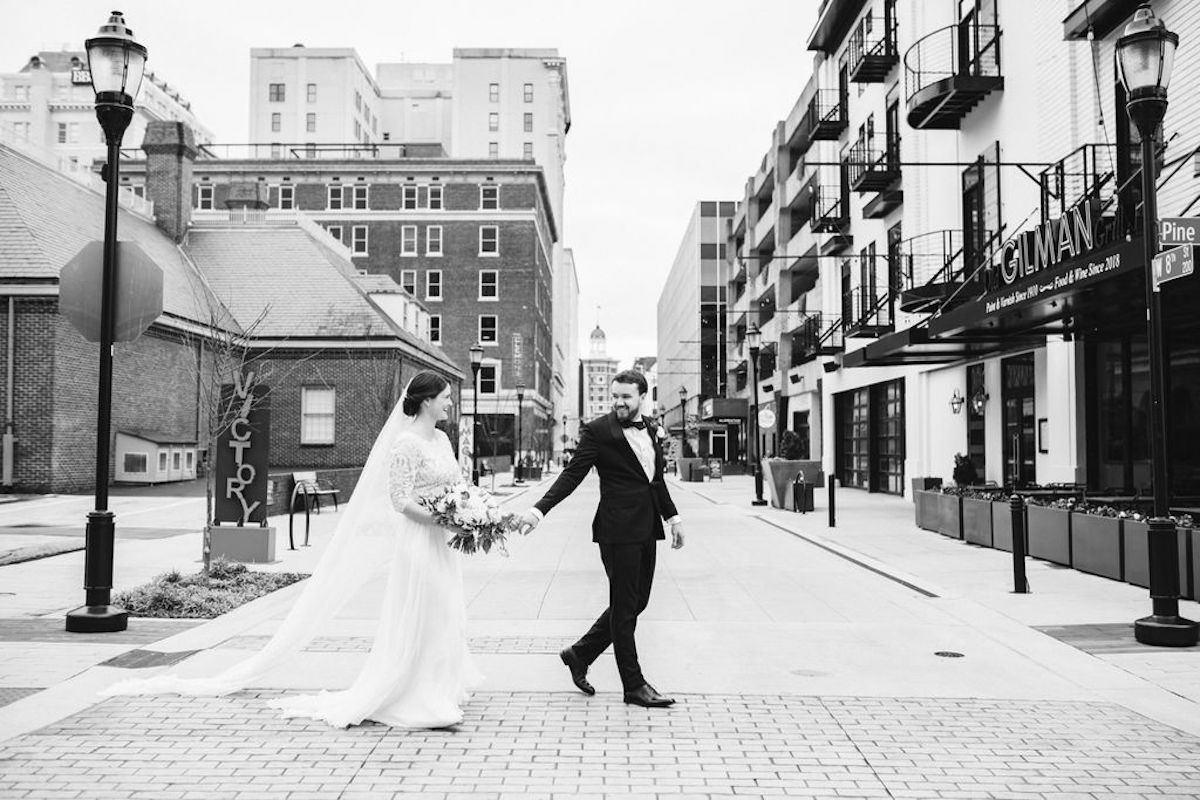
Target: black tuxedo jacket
{"type": "Point", "coordinates": [632, 509]}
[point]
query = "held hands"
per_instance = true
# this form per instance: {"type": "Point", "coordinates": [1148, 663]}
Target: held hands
{"type": "Point", "coordinates": [677, 536]}
{"type": "Point", "coordinates": [527, 522]}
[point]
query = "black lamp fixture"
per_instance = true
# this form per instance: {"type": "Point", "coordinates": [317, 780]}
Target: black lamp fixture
{"type": "Point", "coordinates": [956, 401]}
{"type": "Point", "coordinates": [979, 400]}
{"type": "Point", "coordinates": [476, 351]}
{"type": "Point", "coordinates": [683, 393]}
{"type": "Point", "coordinates": [518, 470]}
{"type": "Point", "coordinates": [116, 62]}
{"type": "Point", "coordinates": [1145, 58]}
{"type": "Point", "coordinates": [754, 342]}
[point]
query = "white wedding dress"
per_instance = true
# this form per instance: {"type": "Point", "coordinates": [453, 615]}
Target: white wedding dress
{"type": "Point", "coordinates": [418, 671]}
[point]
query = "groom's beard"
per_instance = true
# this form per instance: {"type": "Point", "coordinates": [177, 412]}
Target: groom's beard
{"type": "Point", "coordinates": [624, 413]}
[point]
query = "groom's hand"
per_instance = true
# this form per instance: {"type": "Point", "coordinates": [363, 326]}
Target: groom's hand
{"type": "Point", "coordinates": [529, 521]}
{"type": "Point", "coordinates": [677, 536]}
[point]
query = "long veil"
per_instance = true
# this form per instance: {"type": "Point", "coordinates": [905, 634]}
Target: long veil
{"type": "Point", "coordinates": [362, 548]}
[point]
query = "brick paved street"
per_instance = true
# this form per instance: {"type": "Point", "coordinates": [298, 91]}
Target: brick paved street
{"type": "Point", "coordinates": [524, 744]}
{"type": "Point", "coordinates": [808, 662]}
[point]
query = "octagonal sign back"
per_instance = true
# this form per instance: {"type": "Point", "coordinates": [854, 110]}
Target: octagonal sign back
{"type": "Point", "coordinates": [139, 291]}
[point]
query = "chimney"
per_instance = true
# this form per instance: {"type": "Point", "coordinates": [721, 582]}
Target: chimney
{"type": "Point", "coordinates": [247, 195]}
{"type": "Point", "coordinates": [170, 153]}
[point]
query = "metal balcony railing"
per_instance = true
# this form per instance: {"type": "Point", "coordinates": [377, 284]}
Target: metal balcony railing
{"type": "Point", "coordinates": [948, 72]}
{"type": "Point", "coordinates": [871, 57]}
{"type": "Point", "coordinates": [873, 164]}
{"type": "Point", "coordinates": [831, 209]}
{"type": "Point", "coordinates": [817, 334]}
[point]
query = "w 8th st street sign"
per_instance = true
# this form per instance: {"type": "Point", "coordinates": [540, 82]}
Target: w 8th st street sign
{"type": "Point", "coordinates": [1178, 262]}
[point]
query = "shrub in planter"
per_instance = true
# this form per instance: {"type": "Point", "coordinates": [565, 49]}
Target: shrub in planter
{"type": "Point", "coordinates": [949, 514]}
{"type": "Point", "coordinates": [965, 473]}
{"type": "Point", "coordinates": [1049, 531]}
{"type": "Point", "coordinates": [977, 518]}
{"type": "Point", "coordinates": [1137, 551]}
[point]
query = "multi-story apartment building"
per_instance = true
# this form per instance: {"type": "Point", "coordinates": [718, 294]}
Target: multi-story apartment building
{"type": "Point", "coordinates": [692, 349]}
{"type": "Point", "coordinates": [977, 277]}
{"type": "Point", "coordinates": [488, 103]}
{"type": "Point", "coordinates": [596, 373]}
{"type": "Point", "coordinates": [49, 105]}
{"type": "Point", "coordinates": [470, 239]}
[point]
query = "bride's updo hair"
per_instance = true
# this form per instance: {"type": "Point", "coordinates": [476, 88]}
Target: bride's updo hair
{"type": "Point", "coordinates": [425, 385]}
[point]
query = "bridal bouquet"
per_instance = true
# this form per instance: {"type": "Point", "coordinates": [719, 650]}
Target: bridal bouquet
{"type": "Point", "coordinates": [473, 515]}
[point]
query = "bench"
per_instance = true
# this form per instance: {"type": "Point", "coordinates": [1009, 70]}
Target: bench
{"type": "Point", "coordinates": [309, 486]}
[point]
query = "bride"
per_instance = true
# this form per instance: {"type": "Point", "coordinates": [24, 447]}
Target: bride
{"type": "Point", "coordinates": [419, 670]}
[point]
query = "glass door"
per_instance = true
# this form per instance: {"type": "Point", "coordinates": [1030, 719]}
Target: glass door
{"type": "Point", "coordinates": [1019, 419]}
{"type": "Point", "coordinates": [887, 468]}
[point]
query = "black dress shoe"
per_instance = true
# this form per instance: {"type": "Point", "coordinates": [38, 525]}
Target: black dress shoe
{"type": "Point", "coordinates": [578, 671]}
{"type": "Point", "coordinates": [646, 696]}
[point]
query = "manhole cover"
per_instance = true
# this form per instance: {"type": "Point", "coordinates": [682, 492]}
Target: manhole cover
{"type": "Point", "coordinates": [948, 654]}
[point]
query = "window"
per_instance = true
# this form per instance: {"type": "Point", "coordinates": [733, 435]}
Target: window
{"type": "Point", "coordinates": [529, 93]}
{"type": "Point", "coordinates": [358, 238]}
{"type": "Point", "coordinates": [21, 129]}
{"type": "Point", "coordinates": [204, 198]}
{"type": "Point", "coordinates": [410, 196]}
{"type": "Point", "coordinates": [360, 195]}
{"type": "Point", "coordinates": [408, 240]}
{"type": "Point", "coordinates": [527, 150]}
{"type": "Point", "coordinates": [275, 93]}
{"type": "Point", "coordinates": [489, 198]}
{"type": "Point", "coordinates": [433, 240]}
{"type": "Point", "coordinates": [408, 281]}
{"type": "Point", "coordinates": [136, 462]}
{"type": "Point", "coordinates": [489, 284]}
{"type": "Point", "coordinates": [276, 122]}
{"type": "Point", "coordinates": [435, 197]}
{"type": "Point", "coordinates": [435, 328]}
{"type": "Point", "coordinates": [487, 379]}
{"type": "Point", "coordinates": [276, 150]}
{"type": "Point", "coordinates": [493, 149]}
{"type": "Point", "coordinates": [357, 130]}
{"type": "Point", "coordinates": [310, 122]}
{"type": "Point", "coordinates": [433, 284]}
{"type": "Point", "coordinates": [62, 133]}
{"type": "Point", "coordinates": [312, 93]}
{"type": "Point", "coordinates": [493, 121]}
{"type": "Point", "coordinates": [287, 197]}
{"type": "Point", "coordinates": [21, 93]}
{"type": "Point", "coordinates": [357, 101]}
{"type": "Point", "coordinates": [176, 460]}
{"type": "Point", "coordinates": [487, 329]}
{"type": "Point", "coordinates": [334, 203]}
{"type": "Point", "coordinates": [138, 189]}
{"type": "Point", "coordinates": [190, 459]}
{"type": "Point", "coordinates": [317, 405]}
{"type": "Point", "coordinates": [494, 92]}
{"type": "Point", "coordinates": [528, 122]}
{"type": "Point", "coordinates": [162, 461]}
{"type": "Point", "coordinates": [489, 244]}
{"type": "Point", "coordinates": [336, 232]}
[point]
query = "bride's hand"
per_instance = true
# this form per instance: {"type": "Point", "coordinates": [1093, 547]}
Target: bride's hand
{"type": "Point", "coordinates": [418, 513]}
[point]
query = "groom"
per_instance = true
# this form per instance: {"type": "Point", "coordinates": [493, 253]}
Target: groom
{"type": "Point", "coordinates": [634, 500]}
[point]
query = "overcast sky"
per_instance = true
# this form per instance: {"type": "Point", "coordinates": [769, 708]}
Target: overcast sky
{"type": "Point", "coordinates": [672, 101]}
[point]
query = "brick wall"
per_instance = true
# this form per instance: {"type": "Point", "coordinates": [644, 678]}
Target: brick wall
{"type": "Point", "coordinates": [33, 396]}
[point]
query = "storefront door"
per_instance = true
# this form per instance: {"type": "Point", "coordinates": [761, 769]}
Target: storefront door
{"type": "Point", "coordinates": [887, 463]}
{"type": "Point", "coordinates": [1019, 419]}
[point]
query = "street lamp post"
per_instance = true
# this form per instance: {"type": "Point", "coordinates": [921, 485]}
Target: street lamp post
{"type": "Point", "coordinates": [1146, 55]}
{"type": "Point", "coordinates": [116, 62]}
{"type": "Point", "coordinates": [476, 351]}
{"type": "Point", "coordinates": [518, 471]}
{"type": "Point", "coordinates": [754, 340]}
{"type": "Point", "coordinates": [682, 430]}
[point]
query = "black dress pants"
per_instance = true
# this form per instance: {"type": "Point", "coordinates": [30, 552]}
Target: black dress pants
{"type": "Point", "coordinates": [630, 569]}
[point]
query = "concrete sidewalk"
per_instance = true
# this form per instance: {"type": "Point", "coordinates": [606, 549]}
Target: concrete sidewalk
{"type": "Point", "coordinates": [870, 660]}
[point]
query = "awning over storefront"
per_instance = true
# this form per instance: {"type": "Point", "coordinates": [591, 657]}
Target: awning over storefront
{"type": "Point", "coordinates": [724, 409]}
{"type": "Point", "coordinates": [915, 345]}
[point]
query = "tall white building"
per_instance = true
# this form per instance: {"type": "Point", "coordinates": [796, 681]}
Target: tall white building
{"type": "Point", "coordinates": [597, 372]}
{"type": "Point", "coordinates": [48, 105]}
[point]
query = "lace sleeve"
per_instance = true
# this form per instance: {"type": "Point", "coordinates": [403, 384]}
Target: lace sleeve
{"type": "Point", "coordinates": [402, 473]}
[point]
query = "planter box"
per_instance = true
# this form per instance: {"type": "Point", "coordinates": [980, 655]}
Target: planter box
{"type": "Point", "coordinates": [1137, 556]}
{"type": "Point", "coordinates": [925, 484]}
{"type": "Point", "coordinates": [1002, 530]}
{"type": "Point", "coordinates": [977, 521]}
{"type": "Point", "coordinates": [949, 515]}
{"type": "Point", "coordinates": [779, 473]}
{"type": "Point", "coordinates": [927, 509]}
{"type": "Point", "coordinates": [691, 469]}
{"type": "Point", "coordinates": [1049, 532]}
{"type": "Point", "coordinates": [1096, 545]}
{"type": "Point", "coordinates": [250, 544]}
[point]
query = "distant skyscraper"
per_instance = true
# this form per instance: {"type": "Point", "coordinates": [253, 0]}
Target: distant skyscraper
{"type": "Point", "coordinates": [598, 371]}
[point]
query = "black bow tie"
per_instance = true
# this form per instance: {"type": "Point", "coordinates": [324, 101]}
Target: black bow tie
{"type": "Point", "coordinates": [629, 423]}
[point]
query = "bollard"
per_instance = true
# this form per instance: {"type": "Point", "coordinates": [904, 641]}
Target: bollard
{"type": "Point", "coordinates": [832, 515]}
{"type": "Point", "coordinates": [1164, 627]}
{"type": "Point", "coordinates": [1020, 584]}
{"type": "Point", "coordinates": [800, 495]}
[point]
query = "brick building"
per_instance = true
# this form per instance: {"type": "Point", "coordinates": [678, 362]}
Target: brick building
{"type": "Point", "coordinates": [472, 240]}
{"type": "Point", "coordinates": [279, 289]}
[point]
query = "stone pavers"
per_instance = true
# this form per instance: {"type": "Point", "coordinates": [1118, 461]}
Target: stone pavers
{"type": "Point", "coordinates": [525, 744]}
{"type": "Point", "coordinates": [511, 645]}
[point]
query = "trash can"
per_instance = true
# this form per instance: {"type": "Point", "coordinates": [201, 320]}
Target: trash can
{"type": "Point", "coordinates": [802, 495]}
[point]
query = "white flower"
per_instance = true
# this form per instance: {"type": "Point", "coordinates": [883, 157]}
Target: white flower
{"type": "Point", "coordinates": [660, 433]}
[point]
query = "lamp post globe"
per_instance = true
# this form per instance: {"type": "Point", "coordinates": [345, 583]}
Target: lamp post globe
{"type": "Point", "coordinates": [116, 62]}
{"type": "Point", "coordinates": [476, 351]}
{"type": "Point", "coordinates": [754, 342]}
{"type": "Point", "coordinates": [518, 470]}
{"type": "Point", "coordinates": [1145, 60]}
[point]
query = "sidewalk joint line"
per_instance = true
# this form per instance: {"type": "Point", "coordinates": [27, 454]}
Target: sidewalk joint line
{"type": "Point", "coordinates": [849, 558]}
